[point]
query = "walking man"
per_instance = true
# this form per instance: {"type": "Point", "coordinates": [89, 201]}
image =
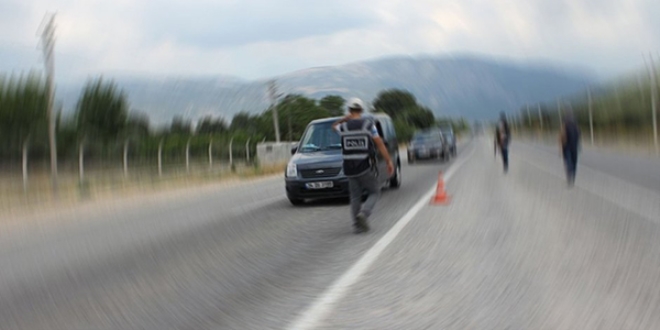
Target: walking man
{"type": "Point", "coordinates": [569, 141]}
{"type": "Point", "coordinates": [502, 140]}
{"type": "Point", "coordinates": [359, 141]}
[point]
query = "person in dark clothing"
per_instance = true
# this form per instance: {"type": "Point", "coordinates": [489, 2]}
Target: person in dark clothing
{"type": "Point", "coordinates": [502, 140]}
{"type": "Point", "coordinates": [569, 142]}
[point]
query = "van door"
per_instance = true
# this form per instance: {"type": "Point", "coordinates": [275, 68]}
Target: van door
{"type": "Point", "coordinates": [392, 140]}
{"type": "Point", "coordinates": [382, 165]}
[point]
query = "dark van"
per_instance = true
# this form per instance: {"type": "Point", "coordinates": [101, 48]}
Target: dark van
{"type": "Point", "coordinates": [315, 170]}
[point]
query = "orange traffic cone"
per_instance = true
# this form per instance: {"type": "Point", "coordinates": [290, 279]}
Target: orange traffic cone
{"type": "Point", "coordinates": [441, 196]}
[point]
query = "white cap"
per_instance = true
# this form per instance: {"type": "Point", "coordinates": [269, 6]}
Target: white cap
{"type": "Point", "coordinates": [355, 103]}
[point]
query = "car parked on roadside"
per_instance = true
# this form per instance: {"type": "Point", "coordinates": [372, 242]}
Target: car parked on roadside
{"type": "Point", "coordinates": [428, 144]}
{"type": "Point", "coordinates": [315, 169]}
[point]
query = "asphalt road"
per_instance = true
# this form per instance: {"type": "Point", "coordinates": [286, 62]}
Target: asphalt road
{"type": "Point", "coordinates": [515, 251]}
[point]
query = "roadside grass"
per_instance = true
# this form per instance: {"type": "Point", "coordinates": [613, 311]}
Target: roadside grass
{"type": "Point", "coordinates": [102, 185]}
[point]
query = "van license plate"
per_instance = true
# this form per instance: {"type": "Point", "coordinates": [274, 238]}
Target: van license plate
{"type": "Point", "coordinates": [319, 185]}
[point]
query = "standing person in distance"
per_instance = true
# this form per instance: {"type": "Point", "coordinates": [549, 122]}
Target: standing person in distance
{"type": "Point", "coordinates": [569, 142]}
{"type": "Point", "coordinates": [502, 140]}
{"type": "Point", "coordinates": [359, 141]}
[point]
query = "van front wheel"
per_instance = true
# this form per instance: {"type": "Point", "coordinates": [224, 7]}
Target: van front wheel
{"type": "Point", "coordinates": [395, 181]}
{"type": "Point", "coordinates": [296, 201]}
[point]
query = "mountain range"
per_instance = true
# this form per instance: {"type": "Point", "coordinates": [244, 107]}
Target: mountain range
{"type": "Point", "coordinates": [464, 86]}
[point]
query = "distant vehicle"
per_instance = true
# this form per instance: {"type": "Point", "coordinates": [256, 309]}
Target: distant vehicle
{"type": "Point", "coordinates": [315, 170]}
{"type": "Point", "coordinates": [448, 134]}
{"type": "Point", "coordinates": [429, 144]}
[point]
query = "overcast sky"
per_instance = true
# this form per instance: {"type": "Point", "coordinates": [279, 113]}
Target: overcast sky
{"type": "Point", "coordinates": [261, 38]}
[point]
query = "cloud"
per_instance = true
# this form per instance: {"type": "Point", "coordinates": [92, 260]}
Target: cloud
{"type": "Point", "coordinates": [260, 38]}
{"type": "Point", "coordinates": [237, 23]}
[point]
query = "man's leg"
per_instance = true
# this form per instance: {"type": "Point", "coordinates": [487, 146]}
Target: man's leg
{"type": "Point", "coordinates": [569, 164]}
{"type": "Point", "coordinates": [505, 158]}
{"type": "Point", "coordinates": [370, 183]}
{"type": "Point", "coordinates": [574, 158]}
{"type": "Point", "coordinates": [355, 191]}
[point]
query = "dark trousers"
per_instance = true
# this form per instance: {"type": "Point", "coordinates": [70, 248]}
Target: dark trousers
{"type": "Point", "coordinates": [505, 157]}
{"type": "Point", "coordinates": [570, 162]}
{"type": "Point", "coordinates": [357, 185]}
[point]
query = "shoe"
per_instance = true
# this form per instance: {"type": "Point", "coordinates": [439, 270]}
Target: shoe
{"type": "Point", "coordinates": [361, 225]}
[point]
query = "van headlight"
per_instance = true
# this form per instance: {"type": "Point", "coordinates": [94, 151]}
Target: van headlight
{"type": "Point", "coordinates": [291, 170]}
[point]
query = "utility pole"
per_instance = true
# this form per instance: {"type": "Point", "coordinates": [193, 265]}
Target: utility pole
{"type": "Point", "coordinates": [512, 120]}
{"type": "Point", "coordinates": [160, 158]}
{"type": "Point", "coordinates": [210, 151]}
{"type": "Point", "coordinates": [641, 86]}
{"type": "Point", "coordinates": [231, 155]}
{"type": "Point", "coordinates": [126, 158]}
{"type": "Point", "coordinates": [559, 110]}
{"type": "Point", "coordinates": [654, 91]}
{"type": "Point", "coordinates": [272, 92]}
{"type": "Point", "coordinates": [288, 112]}
{"type": "Point", "coordinates": [188, 156]}
{"type": "Point", "coordinates": [591, 117]}
{"type": "Point", "coordinates": [247, 150]}
{"type": "Point", "coordinates": [540, 117]}
{"type": "Point", "coordinates": [529, 117]}
{"type": "Point", "coordinates": [48, 46]}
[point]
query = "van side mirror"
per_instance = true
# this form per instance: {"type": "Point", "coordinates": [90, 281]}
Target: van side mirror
{"type": "Point", "coordinates": [294, 149]}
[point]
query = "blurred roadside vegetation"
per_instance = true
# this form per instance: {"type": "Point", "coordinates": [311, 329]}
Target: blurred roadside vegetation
{"type": "Point", "coordinates": [621, 111]}
{"type": "Point", "coordinates": [116, 143]}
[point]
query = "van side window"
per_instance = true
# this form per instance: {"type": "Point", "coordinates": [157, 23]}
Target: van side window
{"type": "Point", "coordinates": [390, 128]}
{"type": "Point", "coordinates": [380, 129]}
{"type": "Point", "coordinates": [387, 128]}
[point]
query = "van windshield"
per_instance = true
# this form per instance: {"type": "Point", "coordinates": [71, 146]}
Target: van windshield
{"type": "Point", "coordinates": [320, 137]}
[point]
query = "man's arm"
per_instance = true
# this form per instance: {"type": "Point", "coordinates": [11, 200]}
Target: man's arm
{"type": "Point", "coordinates": [383, 151]}
{"type": "Point", "coordinates": [339, 122]}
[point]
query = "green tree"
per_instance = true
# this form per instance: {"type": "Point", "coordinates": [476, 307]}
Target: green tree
{"type": "Point", "coordinates": [297, 109]}
{"type": "Point", "coordinates": [180, 126]}
{"type": "Point", "coordinates": [402, 106]}
{"type": "Point", "coordinates": [243, 121]}
{"type": "Point", "coordinates": [404, 131]}
{"type": "Point", "coordinates": [334, 104]}
{"type": "Point", "coordinates": [137, 125]}
{"type": "Point", "coordinates": [210, 125]}
{"type": "Point", "coordinates": [23, 114]}
{"type": "Point", "coordinates": [420, 117]}
{"type": "Point", "coordinates": [102, 111]}
{"type": "Point", "coordinates": [394, 102]}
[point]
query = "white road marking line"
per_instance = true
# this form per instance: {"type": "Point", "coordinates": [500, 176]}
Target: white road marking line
{"type": "Point", "coordinates": [323, 305]}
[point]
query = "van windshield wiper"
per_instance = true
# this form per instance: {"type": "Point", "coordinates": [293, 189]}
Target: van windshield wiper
{"type": "Point", "coordinates": [332, 147]}
{"type": "Point", "coordinates": [310, 148]}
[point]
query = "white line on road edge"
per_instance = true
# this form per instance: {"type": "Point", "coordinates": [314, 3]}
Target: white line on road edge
{"type": "Point", "coordinates": [323, 305]}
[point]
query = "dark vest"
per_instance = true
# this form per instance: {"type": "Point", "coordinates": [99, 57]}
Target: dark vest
{"type": "Point", "coordinates": [357, 146]}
